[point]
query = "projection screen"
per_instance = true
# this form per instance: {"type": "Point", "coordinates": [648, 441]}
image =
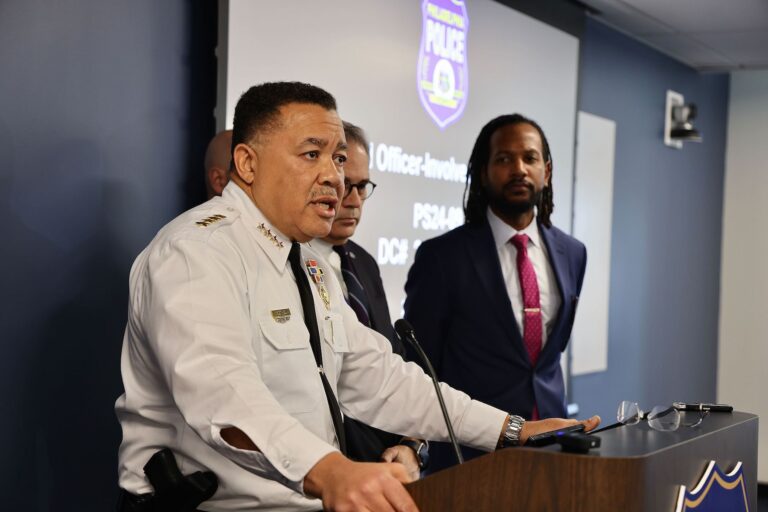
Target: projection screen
{"type": "Point", "coordinates": [422, 78]}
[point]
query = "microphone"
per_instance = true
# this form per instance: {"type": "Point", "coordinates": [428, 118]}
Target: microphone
{"type": "Point", "coordinates": [405, 331]}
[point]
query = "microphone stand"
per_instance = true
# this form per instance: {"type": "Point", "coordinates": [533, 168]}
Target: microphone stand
{"type": "Point", "coordinates": [405, 331]}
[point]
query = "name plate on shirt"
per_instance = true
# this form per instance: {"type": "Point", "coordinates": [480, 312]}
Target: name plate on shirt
{"type": "Point", "coordinates": [281, 315]}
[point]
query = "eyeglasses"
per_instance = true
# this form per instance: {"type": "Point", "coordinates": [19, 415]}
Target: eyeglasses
{"type": "Point", "coordinates": [364, 189]}
{"type": "Point", "coordinates": [661, 417]}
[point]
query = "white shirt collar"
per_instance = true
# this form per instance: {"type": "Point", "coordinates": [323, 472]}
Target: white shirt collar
{"type": "Point", "coordinates": [324, 248]}
{"type": "Point", "coordinates": [502, 232]}
{"type": "Point", "coordinates": [271, 240]}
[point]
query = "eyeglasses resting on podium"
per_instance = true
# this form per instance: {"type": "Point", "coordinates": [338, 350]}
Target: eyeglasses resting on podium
{"type": "Point", "coordinates": [664, 418]}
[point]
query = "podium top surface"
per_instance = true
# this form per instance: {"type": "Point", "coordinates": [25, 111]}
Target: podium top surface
{"type": "Point", "coordinates": [636, 469]}
{"type": "Point", "coordinates": [640, 440]}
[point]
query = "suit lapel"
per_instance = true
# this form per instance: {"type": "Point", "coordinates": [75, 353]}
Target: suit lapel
{"type": "Point", "coordinates": [558, 259]}
{"type": "Point", "coordinates": [485, 260]}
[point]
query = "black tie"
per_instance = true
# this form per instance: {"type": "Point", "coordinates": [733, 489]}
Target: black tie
{"type": "Point", "coordinates": [357, 299]}
{"type": "Point", "coordinates": [310, 319]}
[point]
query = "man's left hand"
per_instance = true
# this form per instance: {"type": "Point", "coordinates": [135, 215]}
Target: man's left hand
{"type": "Point", "coordinates": [538, 427]}
{"type": "Point", "coordinates": [405, 456]}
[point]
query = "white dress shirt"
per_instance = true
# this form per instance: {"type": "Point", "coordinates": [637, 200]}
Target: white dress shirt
{"type": "Point", "coordinates": [216, 338]}
{"type": "Point", "coordinates": [549, 293]}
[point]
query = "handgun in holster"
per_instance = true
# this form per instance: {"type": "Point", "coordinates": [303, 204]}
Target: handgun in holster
{"type": "Point", "coordinates": [173, 492]}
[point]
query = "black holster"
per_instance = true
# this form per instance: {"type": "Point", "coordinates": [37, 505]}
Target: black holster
{"type": "Point", "coordinates": [173, 492]}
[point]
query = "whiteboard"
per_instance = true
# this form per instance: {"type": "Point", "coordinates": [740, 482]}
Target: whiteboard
{"type": "Point", "coordinates": [592, 223]}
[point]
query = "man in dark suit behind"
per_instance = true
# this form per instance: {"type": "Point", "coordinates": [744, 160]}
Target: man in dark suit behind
{"type": "Point", "coordinates": [360, 277]}
{"type": "Point", "coordinates": [493, 301]}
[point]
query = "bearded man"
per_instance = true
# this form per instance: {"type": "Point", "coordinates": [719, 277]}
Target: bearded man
{"type": "Point", "coordinates": [493, 301]}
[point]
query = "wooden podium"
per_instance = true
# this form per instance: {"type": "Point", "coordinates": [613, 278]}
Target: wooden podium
{"type": "Point", "coordinates": [635, 469]}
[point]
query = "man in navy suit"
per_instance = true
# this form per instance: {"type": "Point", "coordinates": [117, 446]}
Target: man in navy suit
{"type": "Point", "coordinates": [493, 301]}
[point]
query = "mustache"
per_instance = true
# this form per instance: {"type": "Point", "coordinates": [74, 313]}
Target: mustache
{"type": "Point", "coordinates": [324, 191]}
{"type": "Point", "coordinates": [517, 182]}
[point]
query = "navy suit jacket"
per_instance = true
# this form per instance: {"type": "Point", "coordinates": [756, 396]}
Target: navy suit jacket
{"type": "Point", "coordinates": [365, 443]}
{"type": "Point", "coordinates": [367, 271]}
{"type": "Point", "coordinates": [458, 304]}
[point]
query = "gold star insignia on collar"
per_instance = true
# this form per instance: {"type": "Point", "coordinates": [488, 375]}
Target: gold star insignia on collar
{"type": "Point", "coordinates": [213, 219]}
{"type": "Point", "coordinates": [264, 230]}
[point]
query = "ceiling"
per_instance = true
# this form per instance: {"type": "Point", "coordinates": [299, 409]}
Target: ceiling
{"type": "Point", "coordinates": [709, 35]}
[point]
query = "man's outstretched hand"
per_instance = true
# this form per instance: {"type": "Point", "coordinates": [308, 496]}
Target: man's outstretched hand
{"type": "Point", "coordinates": [537, 427]}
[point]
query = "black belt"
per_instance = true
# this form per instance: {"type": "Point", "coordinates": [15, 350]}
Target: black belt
{"type": "Point", "coordinates": [127, 502]}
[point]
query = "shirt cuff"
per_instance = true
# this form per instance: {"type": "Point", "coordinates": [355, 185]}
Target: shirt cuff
{"type": "Point", "coordinates": [481, 426]}
{"type": "Point", "coordinates": [287, 458]}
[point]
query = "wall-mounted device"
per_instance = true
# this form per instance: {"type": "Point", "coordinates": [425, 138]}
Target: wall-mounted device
{"type": "Point", "coordinates": [678, 121]}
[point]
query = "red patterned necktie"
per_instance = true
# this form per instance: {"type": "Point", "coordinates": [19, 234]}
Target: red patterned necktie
{"type": "Point", "coordinates": [532, 324]}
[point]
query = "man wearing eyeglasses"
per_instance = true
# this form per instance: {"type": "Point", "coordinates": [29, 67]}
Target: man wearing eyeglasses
{"type": "Point", "coordinates": [361, 279]}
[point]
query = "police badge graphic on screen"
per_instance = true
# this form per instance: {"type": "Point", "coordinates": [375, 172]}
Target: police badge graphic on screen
{"type": "Point", "coordinates": [442, 72]}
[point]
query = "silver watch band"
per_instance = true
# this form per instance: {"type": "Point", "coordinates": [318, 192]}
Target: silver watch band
{"type": "Point", "coordinates": [512, 431]}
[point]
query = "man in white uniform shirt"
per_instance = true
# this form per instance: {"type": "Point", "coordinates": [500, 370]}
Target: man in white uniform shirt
{"type": "Point", "coordinates": [218, 360]}
{"type": "Point", "coordinates": [364, 443]}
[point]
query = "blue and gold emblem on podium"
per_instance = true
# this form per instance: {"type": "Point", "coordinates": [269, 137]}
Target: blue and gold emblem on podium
{"type": "Point", "coordinates": [715, 492]}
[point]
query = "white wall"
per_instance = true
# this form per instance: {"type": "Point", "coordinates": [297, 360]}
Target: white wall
{"type": "Point", "coordinates": [742, 379]}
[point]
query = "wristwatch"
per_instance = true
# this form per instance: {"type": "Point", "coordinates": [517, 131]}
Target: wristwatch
{"type": "Point", "coordinates": [511, 434]}
{"type": "Point", "coordinates": [420, 447]}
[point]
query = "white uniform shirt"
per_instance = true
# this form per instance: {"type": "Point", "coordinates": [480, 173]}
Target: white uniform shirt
{"type": "Point", "coordinates": [216, 338]}
{"type": "Point", "coordinates": [549, 293]}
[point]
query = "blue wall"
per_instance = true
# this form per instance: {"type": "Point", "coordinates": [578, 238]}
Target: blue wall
{"type": "Point", "coordinates": [102, 130]}
{"type": "Point", "coordinates": [667, 215]}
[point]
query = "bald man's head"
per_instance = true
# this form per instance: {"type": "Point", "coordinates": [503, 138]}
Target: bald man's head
{"type": "Point", "coordinates": [218, 157]}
